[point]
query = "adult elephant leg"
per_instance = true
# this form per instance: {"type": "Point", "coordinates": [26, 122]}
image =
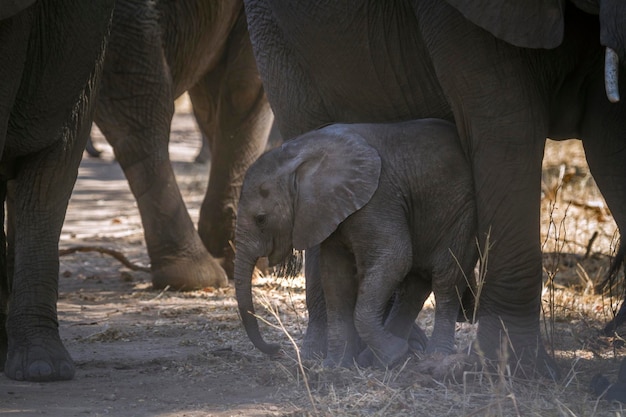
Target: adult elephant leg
{"type": "Point", "coordinates": [5, 289]}
{"type": "Point", "coordinates": [13, 43]}
{"type": "Point", "coordinates": [50, 135]}
{"type": "Point", "coordinates": [37, 199]}
{"type": "Point", "coordinates": [507, 174]}
{"type": "Point", "coordinates": [604, 139]}
{"type": "Point", "coordinates": [502, 121]}
{"type": "Point", "coordinates": [205, 112]}
{"type": "Point", "coordinates": [134, 113]}
{"type": "Point", "coordinates": [234, 93]}
{"type": "Point", "coordinates": [293, 117]}
{"type": "Point", "coordinates": [35, 351]}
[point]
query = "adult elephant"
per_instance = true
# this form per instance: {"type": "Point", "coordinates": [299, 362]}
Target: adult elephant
{"type": "Point", "coordinates": [509, 74]}
{"type": "Point", "coordinates": [157, 51]}
{"type": "Point", "coordinates": [52, 53]}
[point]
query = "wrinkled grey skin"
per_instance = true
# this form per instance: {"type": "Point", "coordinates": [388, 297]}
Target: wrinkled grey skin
{"type": "Point", "coordinates": [507, 80]}
{"type": "Point", "coordinates": [390, 205]}
{"type": "Point", "coordinates": [204, 154]}
{"type": "Point", "coordinates": [158, 50]}
{"type": "Point", "coordinates": [52, 53]}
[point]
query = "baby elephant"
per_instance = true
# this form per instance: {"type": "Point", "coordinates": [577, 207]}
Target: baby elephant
{"type": "Point", "coordinates": [392, 208]}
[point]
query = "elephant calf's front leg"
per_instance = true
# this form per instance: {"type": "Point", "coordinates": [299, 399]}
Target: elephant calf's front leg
{"type": "Point", "coordinates": [375, 290]}
{"type": "Point", "coordinates": [406, 304]}
{"type": "Point", "coordinates": [339, 282]}
{"type": "Point", "coordinates": [315, 339]}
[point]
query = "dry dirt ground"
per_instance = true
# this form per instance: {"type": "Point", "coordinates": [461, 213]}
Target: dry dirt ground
{"type": "Point", "coordinates": [141, 352]}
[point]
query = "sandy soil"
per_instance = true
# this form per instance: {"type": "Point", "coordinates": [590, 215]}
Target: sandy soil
{"type": "Point", "coordinates": [141, 352]}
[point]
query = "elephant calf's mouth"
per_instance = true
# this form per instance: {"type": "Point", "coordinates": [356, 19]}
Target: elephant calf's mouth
{"type": "Point", "coordinates": [291, 265]}
{"type": "Point", "coordinates": [277, 252]}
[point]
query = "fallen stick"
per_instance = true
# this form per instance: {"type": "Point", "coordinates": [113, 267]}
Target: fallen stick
{"type": "Point", "coordinates": [117, 255]}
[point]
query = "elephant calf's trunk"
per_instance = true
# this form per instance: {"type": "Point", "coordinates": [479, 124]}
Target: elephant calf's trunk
{"type": "Point", "coordinates": [243, 289]}
{"type": "Point", "coordinates": [611, 72]}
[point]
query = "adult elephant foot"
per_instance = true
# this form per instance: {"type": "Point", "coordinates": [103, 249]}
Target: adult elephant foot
{"type": "Point", "coordinates": [39, 358]}
{"type": "Point", "coordinates": [188, 273]}
{"type": "Point", "coordinates": [522, 350]}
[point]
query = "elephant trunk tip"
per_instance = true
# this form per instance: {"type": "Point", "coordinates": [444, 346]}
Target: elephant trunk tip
{"type": "Point", "coordinates": [252, 328]}
{"type": "Point", "coordinates": [269, 348]}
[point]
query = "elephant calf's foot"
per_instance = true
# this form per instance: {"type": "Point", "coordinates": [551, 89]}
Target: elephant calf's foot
{"type": "Point", "coordinates": [395, 350]}
{"type": "Point", "coordinates": [188, 274]}
{"type": "Point", "coordinates": [40, 359]}
{"type": "Point", "coordinates": [417, 342]}
{"type": "Point", "coordinates": [445, 367]}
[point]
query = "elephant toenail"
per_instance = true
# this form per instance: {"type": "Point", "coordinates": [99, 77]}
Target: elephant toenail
{"type": "Point", "coordinates": [40, 369]}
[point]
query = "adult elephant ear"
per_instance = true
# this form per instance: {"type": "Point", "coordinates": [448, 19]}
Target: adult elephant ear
{"type": "Point", "coordinates": [336, 173]}
{"type": "Point", "coordinates": [9, 8]}
{"type": "Point", "coordinates": [524, 23]}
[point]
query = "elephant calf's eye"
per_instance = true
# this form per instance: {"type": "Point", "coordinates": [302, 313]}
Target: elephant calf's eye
{"type": "Point", "coordinates": [260, 220]}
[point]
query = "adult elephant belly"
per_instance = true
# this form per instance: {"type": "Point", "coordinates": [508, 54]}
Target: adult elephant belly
{"type": "Point", "coordinates": [357, 74]}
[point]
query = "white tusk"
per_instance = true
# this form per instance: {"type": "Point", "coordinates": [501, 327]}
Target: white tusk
{"type": "Point", "coordinates": [611, 71]}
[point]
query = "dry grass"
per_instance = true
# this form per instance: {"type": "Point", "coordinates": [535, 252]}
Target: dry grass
{"type": "Point", "coordinates": [578, 235]}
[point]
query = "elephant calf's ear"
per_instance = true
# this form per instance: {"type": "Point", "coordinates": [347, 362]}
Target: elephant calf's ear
{"type": "Point", "coordinates": [337, 173]}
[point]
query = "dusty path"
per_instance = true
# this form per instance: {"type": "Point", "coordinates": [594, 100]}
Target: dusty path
{"type": "Point", "coordinates": [140, 352]}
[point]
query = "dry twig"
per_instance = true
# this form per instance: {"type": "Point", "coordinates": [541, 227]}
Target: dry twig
{"type": "Point", "coordinates": [117, 255]}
